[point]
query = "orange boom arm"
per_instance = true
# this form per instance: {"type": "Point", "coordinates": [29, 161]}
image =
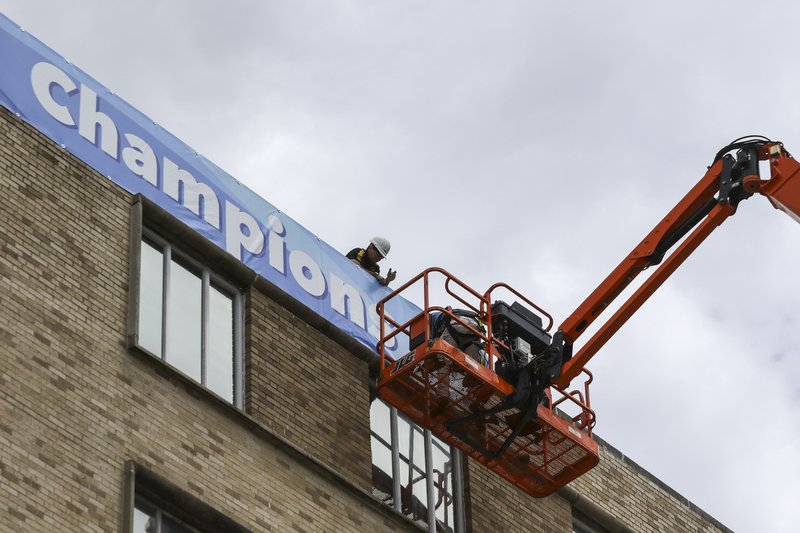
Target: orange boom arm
{"type": "Point", "coordinates": [728, 181]}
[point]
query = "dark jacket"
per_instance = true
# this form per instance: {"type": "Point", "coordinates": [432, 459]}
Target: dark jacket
{"type": "Point", "coordinates": [362, 258]}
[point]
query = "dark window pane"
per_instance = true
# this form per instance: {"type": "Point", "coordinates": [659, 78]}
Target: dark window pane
{"type": "Point", "coordinates": [150, 298]}
{"type": "Point", "coordinates": [169, 525]}
{"type": "Point", "coordinates": [184, 315]}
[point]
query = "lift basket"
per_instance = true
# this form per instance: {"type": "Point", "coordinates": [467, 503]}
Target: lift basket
{"type": "Point", "coordinates": [436, 386]}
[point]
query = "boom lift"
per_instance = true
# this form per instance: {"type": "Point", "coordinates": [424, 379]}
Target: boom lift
{"type": "Point", "coordinates": [505, 399]}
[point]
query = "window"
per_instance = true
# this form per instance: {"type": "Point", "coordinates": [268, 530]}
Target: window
{"type": "Point", "coordinates": [190, 318]}
{"type": "Point", "coordinates": [415, 472]}
{"type": "Point", "coordinates": [154, 505]}
{"type": "Point", "coordinates": [147, 518]}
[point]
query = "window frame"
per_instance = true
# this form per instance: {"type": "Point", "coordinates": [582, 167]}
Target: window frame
{"type": "Point", "coordinates": [143, 484]}
{"type": "Point", "coordinates": [160, 514]}
{"type": "Point", "coordinates": [459, 515]}
{"type": "Point", "coordinates": [208, 279]}
{"type": "Point", "coordinates": [223, 274]}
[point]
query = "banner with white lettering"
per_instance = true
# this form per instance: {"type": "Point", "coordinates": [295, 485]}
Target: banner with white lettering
{"type": "Point", "coordinates": [92, 123]}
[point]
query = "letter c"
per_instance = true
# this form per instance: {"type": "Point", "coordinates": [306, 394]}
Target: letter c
{"type": "Point", "coordinates": [43, 75]}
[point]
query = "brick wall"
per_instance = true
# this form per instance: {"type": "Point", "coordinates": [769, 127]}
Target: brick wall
{"type": "Point", "coordinates": [637, 499]}
{"type": "Point", "coordinates": [498, 506]}
{"type": "Point", "coordinates": [308, 389]}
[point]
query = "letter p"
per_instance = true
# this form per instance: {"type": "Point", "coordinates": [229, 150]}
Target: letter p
{"type": "Point", "coordinates": [241, 231]}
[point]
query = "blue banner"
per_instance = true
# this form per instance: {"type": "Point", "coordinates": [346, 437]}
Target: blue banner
{"type": "Point", "coordinates": [105, 132]}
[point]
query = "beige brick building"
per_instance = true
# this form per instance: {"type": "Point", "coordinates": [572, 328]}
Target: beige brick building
{"type": "Point", "coordinates": [99, 433]}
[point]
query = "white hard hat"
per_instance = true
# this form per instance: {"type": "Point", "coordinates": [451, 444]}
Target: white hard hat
{"type": "Point", "coordinates": [382, 245]}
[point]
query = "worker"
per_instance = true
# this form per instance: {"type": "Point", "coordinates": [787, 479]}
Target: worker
{"type": "Point", "coordinates": [461, 332]}
{"type": "Point", "coordinates": [368, 258]}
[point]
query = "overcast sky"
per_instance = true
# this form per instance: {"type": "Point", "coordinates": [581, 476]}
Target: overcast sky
{"type": "Point", "coordinates": [529, 142]}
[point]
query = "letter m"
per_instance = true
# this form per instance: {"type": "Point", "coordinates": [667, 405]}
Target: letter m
{"type": "Point", "coordinates": [196, 197]}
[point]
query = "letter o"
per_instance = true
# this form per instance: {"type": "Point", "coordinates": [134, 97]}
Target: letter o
{"type": "Point", "coordinates": [300, 263]}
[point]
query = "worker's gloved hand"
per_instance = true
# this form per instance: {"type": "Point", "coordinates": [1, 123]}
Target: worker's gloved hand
{"type": "Point", "coordinates": [389, 277]}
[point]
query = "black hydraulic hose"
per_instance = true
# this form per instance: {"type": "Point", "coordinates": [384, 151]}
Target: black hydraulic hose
{"type": "Point", "coordinates": [669, 240]}
{"type": "Point", "coordinates": [749, 141]}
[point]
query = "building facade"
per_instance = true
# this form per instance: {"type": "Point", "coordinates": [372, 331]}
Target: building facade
{"type": "Point", "coordinates": [151, 382]}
